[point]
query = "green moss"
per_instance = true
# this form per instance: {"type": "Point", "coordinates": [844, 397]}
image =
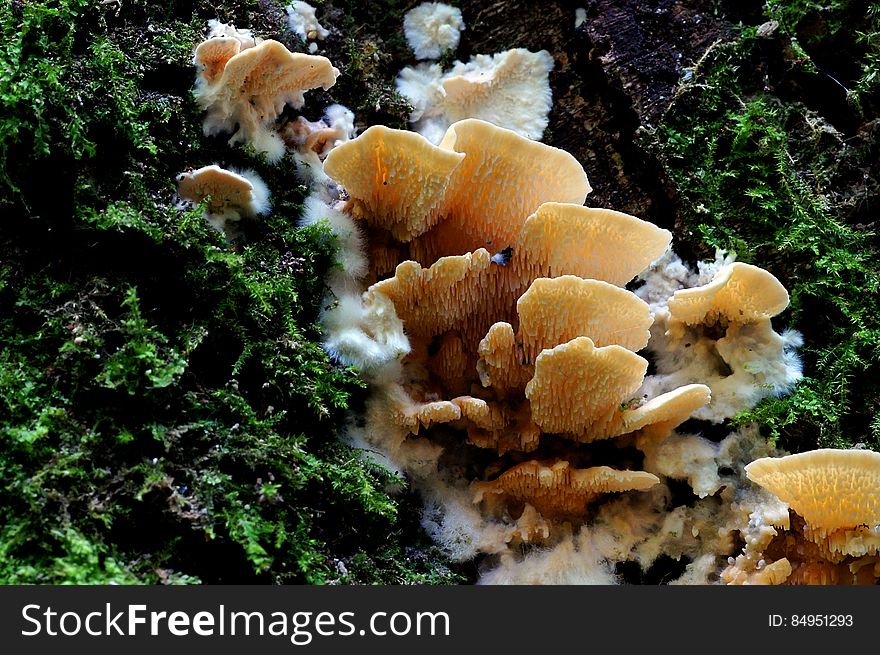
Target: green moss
{"type": "Point", "coordinates": [771, 180]}
{"type": "Point", "coordinates": [826, 32]}
{"type": "Point", "coordinates": [166, 411]}
{"type": "Point", "coordinates": [369, 76]}
{"type": "Point", "coordinates": [40, 106]}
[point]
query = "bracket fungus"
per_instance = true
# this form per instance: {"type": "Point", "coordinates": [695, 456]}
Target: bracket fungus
{"type": "Point", "coordinates": [230, 195]}
{"type": "Point", "coordinates": [830, 532]}
{"type": "Point", "coordinates": [510, 89]}
{"type": "Point", "coordinates": [831, 489]}
{"type": "Point", "coordinates": [556, 490]}
{"type": "Point", "coordinates": [583, 391]}
{"type": "Point", "coordinates": [738, 293]}
{"type": "Point", "coordinates": [523, 340]}
{"type": "Point", "coordinates": [396, 179]}
{"type": "Point", "coordinates": [512, 345]}
{"type": "Point", "coordinates": [714, 326]}
{"type": "Point", "coordinates": [556, 310]}
{"type": "Point", "coordinates": [591, 243]}
{"type": "Point", "coordinates": [244, 87]}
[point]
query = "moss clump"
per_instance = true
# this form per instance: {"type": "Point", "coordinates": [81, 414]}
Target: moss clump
{"type": "Point", "coordinates": [166, 411]}
{"type": "Point", "coordinates": [771, 178]}
{"type": "Point", "coordinates": [368, 46]}
{"type": "Point", "coordinates": [369, 76]}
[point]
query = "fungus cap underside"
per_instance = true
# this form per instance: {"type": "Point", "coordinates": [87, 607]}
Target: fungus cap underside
{"type": "Point", "coordinates": [831, 489]}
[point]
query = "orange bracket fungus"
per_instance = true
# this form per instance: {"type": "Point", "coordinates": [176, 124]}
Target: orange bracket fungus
{"type": "Point", "coordinates": [555, 489]}
{"type": "Point", "coordinates": [532, 362]}
{"type": "Point", "coordinates": [738, 293]}
{"type": "Point", "coordinates": [230, 195]}
{"type": "Point", "coordinates": [517, 373]}
{"type": "Point", "coordinates": [247, 83]}
{"type": "Point", "coordinates": [830, 530]}
{"type": "Point", "coordinates": [831, 489]}
{"type": "Point", "coordinates": [715, 327]}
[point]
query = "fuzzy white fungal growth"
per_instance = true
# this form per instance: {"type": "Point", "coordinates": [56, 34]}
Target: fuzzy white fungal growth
{"type": "Point", "coordinates": [432, 28]}
{"type": "Point", "coordinates": [422, 86]}
{"type": "Point", "coordinates": [418, 457]}
{"type": "Point", "coordinates": [245, 37]}
{"type": "Point", "coordinates": [365, 335]}
{"type": "Point", "coordinates": [702, 571]}
{"type": "Point", "coordinates": [351, 259]}
{"type": "Point", "coordinates": [510, 89]}
{"type": "Point", "coordinates": [341, 120]}
{"type": "Point", "coordinates": [259, 193]}
{"type": "Point", "coordinates": [698, 460]}
{"type": "Point", "coordinates": [574, 561]}
{"type": "Point", "coordinates": [302, 21]}
{"type": "Point", "coordinates": [685, 457]}
{"type": "Point", "coordinates": [451, 519]}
